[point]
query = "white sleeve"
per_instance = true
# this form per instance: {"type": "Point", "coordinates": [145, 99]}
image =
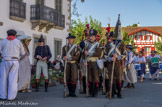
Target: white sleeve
{"type": "Point", "coordinates": [130, 55]}
{"type": "Point", "coordinates": [22, 51]}
{"type": "Point", "coordinates": [144, 59]}
{"type": "Point", "coordinates": [148, 57]}
{"type": "Point", "coordinates": [1, 46]}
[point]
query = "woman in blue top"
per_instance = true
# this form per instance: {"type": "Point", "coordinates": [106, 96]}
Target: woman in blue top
{"type": "Point", "coordinates": [142, 61]}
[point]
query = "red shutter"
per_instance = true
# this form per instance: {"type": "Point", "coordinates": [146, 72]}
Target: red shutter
{"type": "Point", "coordinates": [152, 48]}
{"type": "Point", "coordinates": [135, 37]}
{"type": "Point", "coordinates": [150, 37]}
{"type": "Point", "coordinates": [139, 49]}
{"type": "Point", "coordinates": [141, 37]}
{"type": "Point", "coordinates": [145, 37]}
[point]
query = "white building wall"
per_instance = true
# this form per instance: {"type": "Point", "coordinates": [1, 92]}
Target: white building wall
{"type": "Point", "coordinates": [26, 25]}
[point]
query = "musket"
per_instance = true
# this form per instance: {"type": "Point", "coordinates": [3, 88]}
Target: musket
{"type": "Point", "coordinates": [65, 84]}
{"type": "Point", "coordinates": [104, 88]}
{"type": "Point", "coordinates": [80, 74]}
{"type": "Point", "coordinates": [112, 73]}
{"type": "Point", "coordinates": [87, 88]}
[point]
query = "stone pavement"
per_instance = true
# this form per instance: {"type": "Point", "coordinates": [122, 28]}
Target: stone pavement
{"type": "Point", "coordinates": [146, 94]}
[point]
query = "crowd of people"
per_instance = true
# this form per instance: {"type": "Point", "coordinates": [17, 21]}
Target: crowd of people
{"type": "Point", "coordinates": [105, 66]}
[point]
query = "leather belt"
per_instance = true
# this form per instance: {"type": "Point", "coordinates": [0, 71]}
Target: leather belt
{"type": "Point", "coordinates": [92, 59]}
{"type": "Point", "coordinates": [72, 62]}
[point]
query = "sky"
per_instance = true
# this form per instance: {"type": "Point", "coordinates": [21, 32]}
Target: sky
{"type": "Point", "coordinates": [146, 12]}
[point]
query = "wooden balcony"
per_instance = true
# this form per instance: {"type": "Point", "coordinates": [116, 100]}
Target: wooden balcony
{"type": "Point", "coordinates": [46, 18]}
{"type": "Point", "coordinates": [17, 10]}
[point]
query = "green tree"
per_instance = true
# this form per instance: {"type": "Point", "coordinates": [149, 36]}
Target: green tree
{"type": "Point", "coordinates": [134, 25]}
{"type": "Point", "coordinates": [158, 45]}
{"type": "Point", "coordinates": [78, 27]}
{"type": "Point", "coordinates": [128, 40]}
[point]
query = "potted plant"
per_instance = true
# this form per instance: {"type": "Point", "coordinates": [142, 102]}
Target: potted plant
{"type": "Point", "coordinates": [33, 80]}
{"type": "Point", "coordinates": [61, 78]}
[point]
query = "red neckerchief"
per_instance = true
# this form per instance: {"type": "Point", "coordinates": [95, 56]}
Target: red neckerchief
{"type": "Point", "coordinates": [11, 37]}
{"type": "Point", "coordinates": [153, 55]}
{"type": "Point", "coordinates": [140, 56]}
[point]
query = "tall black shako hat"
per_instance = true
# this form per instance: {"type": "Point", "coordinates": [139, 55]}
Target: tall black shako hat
{"type": "Point", "coordinates": [93, 32]}
{"type": "Point", "coordinates": [110, 35]}
{"type": "Point", "coordinates": [41, 39]}
{"type": "Point", "coordinates": [11, 32]}
{"type": "Point", "coordinates": [70, 36]}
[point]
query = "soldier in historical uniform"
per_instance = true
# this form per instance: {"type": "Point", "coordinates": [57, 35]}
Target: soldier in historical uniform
{"type": "Point", "coordinates": [82, 45]}
{"type": "Point", "coordinates": [106, 63]}
{"type": "Point", "coordinates": [71, 53]}
{"type": "Point", "coordinates": [92, 53]}
{"type": "Point", "coordinates": [114, 52]}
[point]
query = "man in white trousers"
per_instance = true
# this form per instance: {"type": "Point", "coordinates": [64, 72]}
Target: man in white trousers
{"type": "Point", "coordinates": [11, 49]}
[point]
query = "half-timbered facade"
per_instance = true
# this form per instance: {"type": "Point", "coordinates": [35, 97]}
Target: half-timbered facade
{"type": "Point", "coordinates": [144, 37]}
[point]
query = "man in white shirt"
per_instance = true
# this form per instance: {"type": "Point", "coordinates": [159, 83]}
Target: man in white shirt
{"type": "Point", "coordinates": [11, 50]}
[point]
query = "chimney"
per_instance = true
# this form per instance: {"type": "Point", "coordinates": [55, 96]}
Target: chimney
{"type": "Point", "coordinates": [138, 25]}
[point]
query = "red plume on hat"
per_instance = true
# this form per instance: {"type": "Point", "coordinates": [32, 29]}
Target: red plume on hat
{"type": "Point", "coordinates": [98, 38]}
{"type": "Point", "coordinates": [87, 25]}
{"type": "Point", "coordinates": [86, 31]}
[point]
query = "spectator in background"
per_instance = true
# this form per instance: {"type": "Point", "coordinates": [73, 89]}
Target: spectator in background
{"type": "Point", "coordinates": [153, 70]}
{"type": "Point", "coordinates": [0, 58]}
{"type": "Point", "coordinates": [142, 61]}
{"type": "Point", "coordinates": [25, 67]}
{"type": "Point", "coordinates": [42, 54]}
{"type": "Point", "coordinates": [11, 50]}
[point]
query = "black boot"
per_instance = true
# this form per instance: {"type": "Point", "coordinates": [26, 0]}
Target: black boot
{"type": "Point", "coordinates": [37, 86]}
{"type": "Point", "coordinates": [95, 90]}
{"type": "Point", "coordinates": [84, 85]}
{"type": "Point", "coordinates": [107, 85]}
{"type": "Point", "coordinates": [122, 84]}
{"type": "Point", "coordinates": [90, 89]}
{"type": "Point", "coordinates": [128, 86]}
{"type": "Point", "coordinates": [46, 86]}
{"type": "Point", "coordinates": [73, 89]}
{"type": "Point", "coordinates": [113, 90]}
{"type": "Point", "coordinates": [100, 84]}
{"type": "Point", "coordinates": [119, 95]}
{"type": "Point", "coordinates": [133, 86]}
{"type": "Point", "coordinates": [69, 88]}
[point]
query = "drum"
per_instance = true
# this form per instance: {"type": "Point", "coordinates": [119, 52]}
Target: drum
{"type": "Point", "coordinates": [137, 67]}
{"type": "Point", "coordinates": [154, 62]}
{"type": "Point", "coordinates": [160, 66]}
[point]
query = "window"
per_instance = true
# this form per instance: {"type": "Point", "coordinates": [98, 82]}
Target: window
{"type": "Point", "coordinates": [147, 50]}
{"type": "Point", "coordinates": [58, 4]}
{"type": "Point", "coordinates": [138, 37]}
{"type": "Point", "coordinates": [57, 47]}
{"type": "Point", "coordinates": [147, 37]}
{"type": "Point", "coordinates": [40, 2]}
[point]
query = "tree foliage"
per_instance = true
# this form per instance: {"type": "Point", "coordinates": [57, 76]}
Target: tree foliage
{"type": "Point", "coordinates": [158, 45]}
{"type": "Point", "coordinates": [78, 27]}
{"type": "Point", "coordinates": [128, 40]}
{"type": "Point", "coordinates": [134, 25]}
